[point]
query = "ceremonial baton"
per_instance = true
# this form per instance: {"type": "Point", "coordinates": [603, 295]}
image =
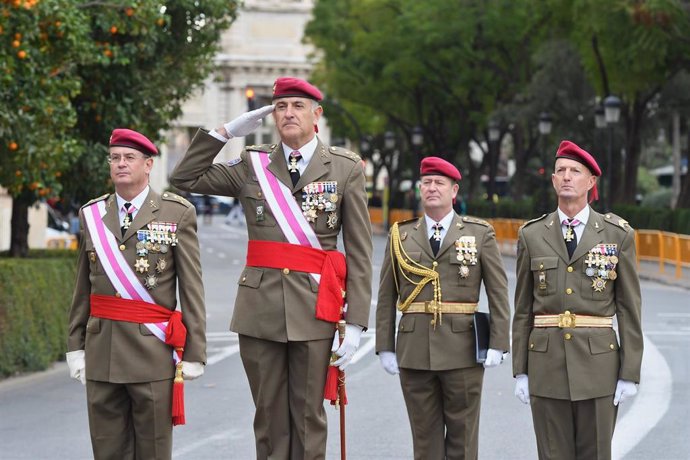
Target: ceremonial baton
{"type": "Point", "coordinates": [342, 399]}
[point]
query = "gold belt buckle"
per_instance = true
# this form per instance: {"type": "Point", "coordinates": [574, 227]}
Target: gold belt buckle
{"type": "Point", "coordinates": [566, 319]}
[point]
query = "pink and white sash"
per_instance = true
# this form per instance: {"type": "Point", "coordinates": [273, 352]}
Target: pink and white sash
{"type": "Point", "coordinates": [284, 207]}
{"type": "Point", "coordinates": [117, 269]}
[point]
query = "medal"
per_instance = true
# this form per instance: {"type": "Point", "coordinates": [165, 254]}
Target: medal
{"type": "Point", "coordinates": [164, 248]}
{"type": "Point", "coordinates": [151, 281]}
{"type": "Point", "coordinates": [464, 271]}
{"type": "Point", "coordinates": [598, 284]}
{"type": "Point", "coordinates": [569, 234]}
{"type": "Point", "coordinates": [260, 212]}
{"type": "Point", "coordinates": [590, 271]}
{"type": "Point", "coordinates": [332, 220]}
{"type": "Point", "coordinates": [92, 257]}
{"type": "Point", "coordinates": [161, 265]}
{"type": "Point", "coordinates": [614, 259]}
{"type": "Point", "coordinates": [542, 281]}
{"type": "Point", "coordinates": [141, 265]}
{"type": "Point", "coordinates": [613, 275]}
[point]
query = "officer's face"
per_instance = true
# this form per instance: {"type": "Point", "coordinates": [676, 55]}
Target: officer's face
{"type": "Point", "coordinates": [572, 180]}
{"type": "Point", "coordinates": [438, 193]}
{"type": "Point", "coordinates": [129, 168]}
{"type": "Point", "coordinates": [295, 118]}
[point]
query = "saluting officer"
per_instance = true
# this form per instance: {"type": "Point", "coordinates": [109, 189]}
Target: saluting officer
{"type": "Point", "coordinates": [128, 329]}
{"type": "Point", "coordinates": [432, 271]}
{"type": "Point", "coordinates": [298, 196]}
{"type": "Point", "coordinates": [575, 273]}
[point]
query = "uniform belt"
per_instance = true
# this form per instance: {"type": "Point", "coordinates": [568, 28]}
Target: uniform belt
{"type": "Point", "coordinates": [441, 307]}
{"type": "Point", "coordinates": [568, 320]}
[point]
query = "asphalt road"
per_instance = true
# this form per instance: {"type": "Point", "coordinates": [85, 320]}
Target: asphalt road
{"type": "Point", "coordinates": [43, 415]}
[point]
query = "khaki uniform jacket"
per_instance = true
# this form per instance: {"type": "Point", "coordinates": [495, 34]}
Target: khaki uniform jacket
{"type": "Point", "coordinates": [124, 352]}
{"type": "Point", "coordinates": [279, 305]}
{"type": "Point", "coordinates": [451, 345]}
{"type": "Point", "coordinates": [576, 363]}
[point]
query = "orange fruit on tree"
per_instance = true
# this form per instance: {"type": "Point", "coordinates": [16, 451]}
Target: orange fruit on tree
{"type": "Point", "coordinates": [13, 146]}
{"type": "Point", "coordinates": [160, 22]}
{"type": "Point", "coordinates": [108, 53]}
{"type": "Point", "coordinates": [113, 30]}
{"type": "Point", "coordinates": [21, 54]}
{"type": "Point", "coordinates": [16, 44]}
{"type": "Point", "coordinates": [129, 11]}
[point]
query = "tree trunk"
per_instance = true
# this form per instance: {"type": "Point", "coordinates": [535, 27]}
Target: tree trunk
{"type": "Point", "coordinates": [684, 197]}
{"type": "Point", "coordinates": [19, 241]}
{"type": "Point", "coordinates": [632, 156]}
{"type": "Point", "coordinates": [494, 153]}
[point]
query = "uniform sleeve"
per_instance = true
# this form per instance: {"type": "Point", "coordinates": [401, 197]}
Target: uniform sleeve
{"type": "Point", "coordinates": [197, 173]}
{"type": "Point", "coordinates": [628, 311]}
{"type": "Point", "coordinates": [190, 287]}
{"type": "Point", "coordinates": [496, 286]}
{"type": "Point", "coordinates": [80, 310]}
{"type": "Point", "coordinates": [356, 227]}
{"type": "Point", "coordinates": [386, 305]}
{"type": "Point", "coordinates": [523, 318]}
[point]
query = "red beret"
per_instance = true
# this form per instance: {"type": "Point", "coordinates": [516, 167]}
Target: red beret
{"type": "Point", "coordinates": [295, 87]}
{"type": "Point", "coordinates": [438, 166]}
{"type": "Point", "coordinates": [122, 137]}
{"type": "Point", "coordinates": [572, 151]}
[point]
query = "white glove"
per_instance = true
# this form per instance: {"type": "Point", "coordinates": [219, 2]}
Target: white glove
{"type": "Point", "coordinates": [624, 389]}
{"type": "Point", "coordinates": [493, 358]}
{"type": "Point", "coordinates": [347, 349]}
{"type": "Point", "coordinates": [191, 371]}
{"type": "Point", "coordinates": [77, 365]}
{"type": "Point", "coordinates": [522, 388]}
{"type": "Point", "coordinates": [389, 362]}
{"type": "Point", "coordinates": [247, 122]}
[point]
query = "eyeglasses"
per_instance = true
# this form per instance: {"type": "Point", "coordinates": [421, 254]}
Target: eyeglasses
{"type": "Point", "coordinates": [128, 157]}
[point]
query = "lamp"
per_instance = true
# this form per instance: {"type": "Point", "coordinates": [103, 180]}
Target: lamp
{"type": "Point", "coordinates": [545, 123]}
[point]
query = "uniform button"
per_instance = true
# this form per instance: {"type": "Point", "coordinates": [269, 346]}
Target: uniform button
{"type": "Point", "coordinates": [568, 336]}
{"type": "Point", "coordinates": [259, 195]}
{"type": "Point", "coordinates": [402, 328]}
{"type": "Point", "coordinates": [122, 247]}
{"type": "Point", "coordinates": [244, 278]}
{"type": "Point", "coordinates": [568, 291]}
{"type": "Point", "coordinates": [531, 346]}
{"type": "Point", "coordinates": [118, 295]}
{"type": "Point", "coordinates": [570, 269]}
{"type": "Point", "coordinates": [286, 271]}
{"type": "Point", "coordinates": [434, 263]}
{"type": "Point", "coordinates": [541, 266]}
{"type": "Point", "coordinates": [611, 346]}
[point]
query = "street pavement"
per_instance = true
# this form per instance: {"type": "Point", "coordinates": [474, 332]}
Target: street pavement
{"type": "Point", "coordinates": [43, 415]}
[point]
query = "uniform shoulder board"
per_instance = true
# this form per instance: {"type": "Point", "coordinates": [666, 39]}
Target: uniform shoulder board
{"type": "Point", "coordinates": [475, 220]}
{"type": "Point", "coordinates": [100, 198]}
{"type": "Point", "coordinates": [260, 148]}
{"type": "Point", "coordinates": [408, 221]}
{"type": "Point", "coordinates": [170, 196]}
{"type": "Point", "coordinates": [344, 153]}
{"type": "Point", "coordinates": [529, 222]}
{"type": "Point", "coordinates": [617, 221]}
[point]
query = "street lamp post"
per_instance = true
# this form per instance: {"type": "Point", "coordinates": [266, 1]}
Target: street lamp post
{"type": "Point", "coordinates": [612, 113]}
{"type": "Point", "coordinates": [389, 146]}
{"type": "Point", "coordinates": [600, 123]}
{"type": "Point", "coordinates": [494, 131]}
{"type": "Point", "coordinates": [417, 141]}
{"type": "Point", "coordinates": [545, 125]}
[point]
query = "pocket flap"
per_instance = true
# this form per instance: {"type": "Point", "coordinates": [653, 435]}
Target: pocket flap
{"type": "Point", "coordinates": [544, 263]}
{"type": "Point", "coordinates": [313, 284]}
{"type": "Point", "coordinates": [93, 325]}
{"type": "Point", "coordinates": [251, 277]}
{"type": "Point", "coordinates": [461, 323]}
{"type": "Point", "coordinates": [604, 343]}
{"type": "Point", "coordinates": [406, 323]}
{"type": "Point", "coordinates": [539, 342]}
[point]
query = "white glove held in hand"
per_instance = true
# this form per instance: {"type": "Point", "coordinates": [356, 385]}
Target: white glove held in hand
{"type": "Point", "coordinates": [389, 362]}
{"type": "Point", "coordinates": [247, 122]}
{"type": "Point", "coordinates": [77, 365]}
{"type": "Point", "coordinates": [347, 349]}
{"type": "Point", "coordinates": [191, 371]}
{"type": "Point", "coordinates": [493, 358]}
{"type": "Point", "coordinates": [624, 389]}
{"type": "Point", "coordinates": [522, 388]}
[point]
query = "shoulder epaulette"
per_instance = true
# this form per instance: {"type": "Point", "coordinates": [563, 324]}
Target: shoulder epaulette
{"type": "Point", "coordinates": [475, 220]}
{"type": "Point", "coordinates": [531, 221]}
{"type": "Point", "coordinates": [617, 221]}
{"type": "Point", "coordinates": [170, 196]}
{"type": "Point", "coordinates": [102, 197]}
{"type": "Point", "coordinates": [344, 153]}
{"type": "Point", "coordinates": [260, 148]}
{"type": "Point", "coordinates": [408, 221]}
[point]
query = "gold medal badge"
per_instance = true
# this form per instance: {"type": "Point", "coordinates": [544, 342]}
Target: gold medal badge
{"type": "Point", "coordinates": [141, 265]}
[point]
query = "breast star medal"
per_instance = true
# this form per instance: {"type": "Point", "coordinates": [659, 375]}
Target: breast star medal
{"type": "Point", "coordinates": [141, 265]}
{"type": "Point", "coordinates": [151, 281]}
{"type": "Point", "coordinates": [161, 265]}
{"type": "Point", "coordinates": [599, 284]}
{"type": "Point", "coordinates": [464, 271]}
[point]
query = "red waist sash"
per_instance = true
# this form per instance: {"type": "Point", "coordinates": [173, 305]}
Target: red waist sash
{"type": "Point", "coordinates": [138, 311]}
{"type": "Point", "coordinates": [329, 264]}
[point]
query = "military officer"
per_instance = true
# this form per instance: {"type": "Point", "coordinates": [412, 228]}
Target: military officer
{"type": "Point", "coordinates": [128, 333]}
{"type": "Point", "coordinates": [298, 195]}
{"type": "Point", "coordinates": [432, 271]}
{"type": "Point", "coordinates": [575, 273]}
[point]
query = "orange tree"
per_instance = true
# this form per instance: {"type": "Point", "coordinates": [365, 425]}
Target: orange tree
{"type": "Point", "coordinates": [71, 71]}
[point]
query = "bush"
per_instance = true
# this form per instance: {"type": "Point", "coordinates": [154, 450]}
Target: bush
{"type": "Point", "coordinates": [35, 301]}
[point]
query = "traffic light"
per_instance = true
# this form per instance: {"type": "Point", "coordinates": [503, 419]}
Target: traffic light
{"type": "Point", "coordinates": [251, 100]}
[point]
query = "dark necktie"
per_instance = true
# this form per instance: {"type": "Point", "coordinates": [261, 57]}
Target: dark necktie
{"type": "Point", "coordinates": [570, 235]}
{"type": "Point", "coordinates": [129, 209]}
{"type": "Point", "coordinates": [294, 171]}
{"type": "Point", "coordinates": [435, 239]}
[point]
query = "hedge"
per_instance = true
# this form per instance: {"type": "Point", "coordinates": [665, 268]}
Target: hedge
{"type": "Point", "coordinates": [35, 296]}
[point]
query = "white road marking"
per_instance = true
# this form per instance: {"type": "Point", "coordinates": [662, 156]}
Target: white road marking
{"type": "Point", "coordinates": [225, 352]}
{"type": "Point", "coordinates": [229, 435]}
{"type": "Point", "coordinates": [364, 349]}
{"type": "Point", "coordinates": [648, 406]}
{"type": "Point", "coordinates": [673, 315]}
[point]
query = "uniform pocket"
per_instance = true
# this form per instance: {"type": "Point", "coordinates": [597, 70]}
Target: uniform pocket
{"type": "Point", "coordinates": [544, 271]}
{"type": "Point", "coordinates": [538, 342]}
{"type": "Point", "coordinates": [406, 323]}
{"type": "Point", "coordinates": [604, 343]}
{"type": "Point", "coordinates": [461, 323]}
{"type": "Point", "coordinates": [251, 277]}
{"type": "Point", "coordinates": [93, 325]}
